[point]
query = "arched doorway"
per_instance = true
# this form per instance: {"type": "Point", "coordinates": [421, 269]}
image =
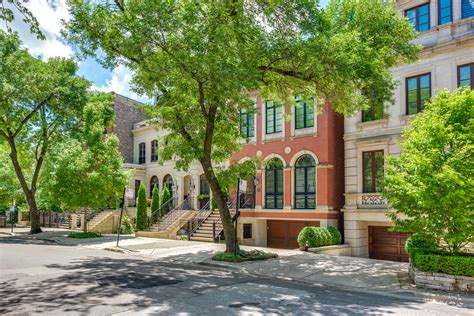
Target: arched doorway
{"type": "Point", "coordinates": [169, 183]}
{"type": "Point", "coordinates": [153, 182]}
{"type": "Point", "coordinates": [305, 183]}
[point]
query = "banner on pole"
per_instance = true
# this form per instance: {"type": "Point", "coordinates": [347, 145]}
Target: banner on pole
{"type": "Point", "coordinates": [129, 194]}
{"type": "Point", "coordinates": [243, 186]}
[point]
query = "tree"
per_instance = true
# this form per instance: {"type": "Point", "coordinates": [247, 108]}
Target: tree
{"type": "Point", "coordinates": [87, 168]}
{"type": "Point", "coordinates": [206, 60]}
{"type": "Point", "coordinates": [7, 14]}
{"type": "Point", "coordinates": [155, 203]}
{"type": "Point", "coordinates": [40, 105]}
{"type": "Point", "coordinates": [165, 201]}
{"type": "Point", "coordinates": [142, 216]}
{"type": "Point", "coordinates": [431, 184]}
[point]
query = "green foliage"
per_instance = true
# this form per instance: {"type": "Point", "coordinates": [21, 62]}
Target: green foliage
{"type": "Point", "coordinates": [431, 184]}
{"type": "Point", "coordinates": [127, 226]}
{"type": "Point", "coordinates": [165, 201]}
{"type": "Point", "coordinates": [449, 264]}
{"type": "Point", "coordinates": [242, 256]}
{"type": "Point", "coordinates": [415, 244]}
{"type": "Point", "coordinates": [155, 203]}
{"type": "Point", "coordinates": [319, 236]}
{"type": "Point", "coordinates": [84, 235]}
{"type": "Point", "coordinates": [7, 14]}
{"type": "Point", "coordinates": [142, 216]}
{"type": "Point", "coordinates": [86, 170]}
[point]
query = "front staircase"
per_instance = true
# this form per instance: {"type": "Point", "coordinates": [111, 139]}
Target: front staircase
{"type": "Point", "coordinates": [206, 231]}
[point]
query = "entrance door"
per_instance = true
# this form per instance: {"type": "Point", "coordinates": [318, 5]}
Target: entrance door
{"type": "Point", "coordinates": [284, 234]}
{"type": "Point", "coordinates": [386, 245]}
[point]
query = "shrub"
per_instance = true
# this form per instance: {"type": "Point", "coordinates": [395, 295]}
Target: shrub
{"type": "Point", "coordinates": [244, 256]}
{"type": "Point", "coordinates": [416, 244]}
{"type": "Point", "coordinates": [142, 216]}
{"type": "Point", "coordinates": [155, 204]}
{"type": "Point", "coordinates": [127, 227]}
{"type": "Point", "coordinates": [165, 201]}
{"type": "Point", "coordinates": [441, 263]}
{"type": "Point", "coordinates": [84, 235]}
{"type": "Point", "coordinates": [319, 236]}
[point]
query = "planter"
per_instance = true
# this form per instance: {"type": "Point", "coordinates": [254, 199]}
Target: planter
{"type": "Point", "coordinates": [334, 250]}
{"type": "Point", "coordinates": [441, 281]}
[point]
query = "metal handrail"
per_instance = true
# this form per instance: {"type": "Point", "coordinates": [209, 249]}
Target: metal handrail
{"type": "Point", "coordinates": [172, 216]}
{"type": "Point", "coordinates": [233, 213]}
{"type": "Point", "coordinates": [198, 219]}
{"type": "Point", "coordinates": [166, 204]}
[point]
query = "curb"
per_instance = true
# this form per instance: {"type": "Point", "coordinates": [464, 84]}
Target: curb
{"type": "Point", "coordinates": [7, 233]}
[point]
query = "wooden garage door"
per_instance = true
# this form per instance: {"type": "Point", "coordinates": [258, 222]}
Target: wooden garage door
{"type": "Point", "coordinates": [283, 234]}
{"type": "Point", "coordinates": [386, 245]}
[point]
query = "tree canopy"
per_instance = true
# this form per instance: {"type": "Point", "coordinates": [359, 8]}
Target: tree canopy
{"type": "Point", "coordinates": [203, 61]}
{"type": "Point", "coordinates": [431, 183]}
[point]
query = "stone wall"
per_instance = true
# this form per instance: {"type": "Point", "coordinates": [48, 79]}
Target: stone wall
{"type": "Point", "coordinates": [335, 250]}
{"type": "Point", "coordinates": [127, 113]}
{"type": "Point", "coordinates": [441, 281]}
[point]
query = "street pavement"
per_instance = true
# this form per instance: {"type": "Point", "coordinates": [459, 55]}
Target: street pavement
{"type": "Point", "coordinates": [43, 277]}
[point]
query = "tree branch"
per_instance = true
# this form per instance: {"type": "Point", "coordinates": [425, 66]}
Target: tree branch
{"type": "Point", "coordinates": [33, 112]}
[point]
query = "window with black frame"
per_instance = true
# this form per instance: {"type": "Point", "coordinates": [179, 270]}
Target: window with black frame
{"type": "Point", "coordinates": [274, 117]}
{"type": "Point", "coordinates": [305, 183]}
{"type": "Point", "coordinates": [247, 123]}
{"type": "Point", "coordinates": [304, 114]}
{"type": "Point", "coordinates": [141, 153]}
{"type": "Point", "coordinates": [274, 184]}
{"type": "Point", "coordinates": [154, 150]}
{"type": "Point", "coordinates": [372, 170]}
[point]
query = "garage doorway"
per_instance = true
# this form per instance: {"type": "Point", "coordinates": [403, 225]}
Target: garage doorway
{"type": "Point", "coordinates": [283, 234]}
{"type": "Point", "coordinates": [387, 245]}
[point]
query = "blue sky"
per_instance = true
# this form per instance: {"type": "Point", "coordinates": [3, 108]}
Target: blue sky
{"type": "Point", "coordinates": [49, 14]}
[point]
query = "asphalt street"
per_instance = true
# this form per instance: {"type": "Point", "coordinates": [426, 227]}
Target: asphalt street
{"type": "Point", "coordinates": [37, 277]}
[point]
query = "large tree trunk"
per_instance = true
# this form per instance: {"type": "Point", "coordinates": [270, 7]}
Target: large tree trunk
{"type": "Point", "coordinates": [229, 231]}
{"type": "Point", "coordinates": [29, 194]}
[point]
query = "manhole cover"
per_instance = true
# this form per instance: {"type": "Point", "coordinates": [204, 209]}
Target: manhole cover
{"type": "Point", "coordinates": [136, 281]}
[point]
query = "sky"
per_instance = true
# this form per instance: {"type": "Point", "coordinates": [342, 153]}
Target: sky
{"type": "Point", "coordinates": [49, 14]}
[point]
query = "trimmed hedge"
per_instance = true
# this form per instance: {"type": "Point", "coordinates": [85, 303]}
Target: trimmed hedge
{"type": "Point", "coordinates": [319, 236]}
{"type": "Point", "coordinates": [449, 264]}
{"type": "Point", "coordinates": [413, 245]}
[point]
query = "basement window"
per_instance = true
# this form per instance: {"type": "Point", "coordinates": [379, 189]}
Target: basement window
{"type": "Point", "coordinates": [247, 231]}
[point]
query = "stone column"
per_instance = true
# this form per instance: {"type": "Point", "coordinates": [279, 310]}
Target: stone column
{"type": "Point", "coordinates": [259, 190]}
{"type": "Point", "coordinates": [195, 191]}
{"type": "Point", "coordinates": [287, 188]}
{"type": "Point", "coordinates": [73, 221]}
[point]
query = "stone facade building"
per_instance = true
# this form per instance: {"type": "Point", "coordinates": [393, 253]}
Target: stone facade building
{"type": "Point", "coordinates": [446, 31]}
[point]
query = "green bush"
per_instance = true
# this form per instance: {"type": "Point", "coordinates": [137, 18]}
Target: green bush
{"type": "Point", "coordinates": [127, 227]}
{"type": "Point", "coordinates": [142, 216]}
{"type": "Point", "coordinates": [443, 263]}
{"type": "Point", "coordinates": [155, 204]}
{"type": "Point", "coordinates": [415, 244]}
{"type": "Point", "coordinates": [165, 201]}
{"type": "Point", "coordinates": [319, 236]}
{"type": "Point", "coordinates": [84, 235]}
{"type": "Point", "coordinates": [242, 256]}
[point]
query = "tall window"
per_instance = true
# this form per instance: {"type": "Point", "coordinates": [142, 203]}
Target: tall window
{"type": "Point", "coordinates": [374, 113]}
{"type": "Point", "coordinates": [247, 123]}
{"type": "Point", "coordinates": [154, 150]}
{"type": "Point", "coordinates": [467, 9]}
{"type": "Point", "coordinates": [304, 114]}
{"type": "Point", "coordinates": [274, 115]}
{"type": "Point", "coordinates": [466, 76]}
{"type": "Point", "coordinates": [445, 11]}
{"type": "Point", "coordinates": [419, 17]}
{"type": "Point", "coordinates": [274, 184]}
{"type": "Point", "coordinates": [305, 183]}
{"type": "Point", "coordinates": [373, 170]}
{"type": "Point", "coordinates": [153, 182]}
{"type": "Point", "coordinates": [141, 153]}
{"type": "Point", "coordinates": [418, 93]}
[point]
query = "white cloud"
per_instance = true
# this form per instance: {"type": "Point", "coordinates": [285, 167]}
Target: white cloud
{"type": "Point", "coordinates": [49, 14]}
{"type": "Point", "coordinates": [120, 83]}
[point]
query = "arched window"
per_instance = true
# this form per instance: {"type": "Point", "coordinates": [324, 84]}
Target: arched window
{"type": "Point", "coordinates": [168, 182]}
{"type": "Point", "coordinates": [305, 183]}
{"type": "Point", "coordinates": [141, 153]}
{"type": "Point", "coordinates": [274, 184]}
{"type": "Point", "coordinates": [203, 185]}
{"type": "Point", "coordinates": [153, 182]}
{"type": "Point", "coordinates": [154, 151]}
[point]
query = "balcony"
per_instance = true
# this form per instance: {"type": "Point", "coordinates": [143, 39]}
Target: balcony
{"type": "Point", "coordinates": [365, 201]}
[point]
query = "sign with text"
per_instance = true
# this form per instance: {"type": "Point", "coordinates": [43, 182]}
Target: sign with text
{"type": "Point", "coordinates": [243, 185]}
{"type": "Point", "coordinates": [129, 193]}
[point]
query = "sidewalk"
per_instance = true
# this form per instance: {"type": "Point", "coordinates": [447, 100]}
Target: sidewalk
{"type": "Point", "coordinates": [361, 274]}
